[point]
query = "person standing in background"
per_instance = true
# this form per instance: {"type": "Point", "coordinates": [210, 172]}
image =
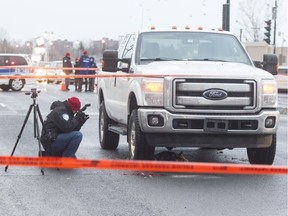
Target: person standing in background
{"type": "Point", "coordinates": [84, 62]}
{"type": "Point", "coordinates": [77, 72]}
{"type": "Point", "coordinates": [67, 64]}
{"type": "Point", "coordinates": [92, 72]}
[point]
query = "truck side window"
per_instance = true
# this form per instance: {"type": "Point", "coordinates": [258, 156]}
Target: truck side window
{"type": "Point", "coordinates": [122, 44]}
{"type": "Point", "coordinates": [128, 51]}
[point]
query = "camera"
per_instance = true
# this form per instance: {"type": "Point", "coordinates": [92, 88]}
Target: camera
{"type": "Point", "coordinates": [33, 92]}
{"type": "Point", "coordinates": [85, 107]}
{"type": "Point", "coordinates": [84, 117]}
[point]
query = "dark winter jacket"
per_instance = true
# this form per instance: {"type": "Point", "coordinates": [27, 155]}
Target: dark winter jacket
{"type": "Point", "coordinates": [92, 65]}
{"type": "Point", "coordinates": [60, 120]}
{"type": "Point", "coordinates": [84, 62]}
{"type": "Point", "coordinates": [76, 65]}
{"type": "Point", "coordinates": [67, 64]}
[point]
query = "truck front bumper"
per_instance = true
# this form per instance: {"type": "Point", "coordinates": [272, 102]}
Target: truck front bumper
{"type": "Point", "coordinates": [163, 128]}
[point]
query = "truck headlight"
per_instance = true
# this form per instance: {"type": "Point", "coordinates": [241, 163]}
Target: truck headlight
{"type": "Point", "coordinates": [269, 93]}
{"type": "Point", "coordinates": [152, 90]}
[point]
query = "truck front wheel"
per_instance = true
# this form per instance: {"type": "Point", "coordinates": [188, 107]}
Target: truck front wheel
{"type": "Point", "coordinates": [138, 147]}
{"type": "Point", "coordinates": [108, 139]}
{"type": "Point", "coordinates": [263, 155]}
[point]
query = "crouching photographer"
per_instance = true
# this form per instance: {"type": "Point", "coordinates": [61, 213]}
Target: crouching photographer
{"type": "Point", "coordinates": [61, 134]}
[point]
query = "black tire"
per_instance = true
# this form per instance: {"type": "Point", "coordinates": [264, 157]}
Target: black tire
{"type": "Point", "coordinates": [16, 84]}
{"type": "Point", "coordinates": [108, 139]}
{"type": "Point", "coordinates": [263, 155]}
{"type": "Point", "coordinates": [138, 147]}
{"type": "Point", "coordinates": [5, 87]}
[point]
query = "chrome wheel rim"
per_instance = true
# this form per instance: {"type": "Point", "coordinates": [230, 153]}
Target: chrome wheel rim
{"type": "Point", "coordinates": [17, 84]}
{"type": "Point", "coordinates": [101, 126]}
{"type": "Point", "coordinates": [132, 141]}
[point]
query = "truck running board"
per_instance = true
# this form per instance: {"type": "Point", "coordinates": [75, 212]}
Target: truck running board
{"type": "Point", "coordinates": [118, 129]}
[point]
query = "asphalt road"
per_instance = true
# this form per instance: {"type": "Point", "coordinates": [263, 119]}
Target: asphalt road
{"type": "Point", "coordinates": [24, 191]}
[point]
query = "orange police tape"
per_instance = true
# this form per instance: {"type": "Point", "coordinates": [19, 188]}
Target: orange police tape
{"type": "Point", "coordinates": [33, 75]}
{"type": "Point", "coordinates": [45, 76]}
{"type": "Point", "coordinates": [85, 76]}
{"type": "Point", "coordinates": [46, 68]}
{"type": "Point", "coordinates": [152, 166]}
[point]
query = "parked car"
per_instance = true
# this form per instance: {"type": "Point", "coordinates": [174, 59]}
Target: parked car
{"type": "Point", "coordinates": [56, 69]}
{"type": "Point", "coordinates": [8, 60]}
{"type": "Point", "coordinates": [282, 78]}
{"type": "Point", "coordinates": [41, 70]}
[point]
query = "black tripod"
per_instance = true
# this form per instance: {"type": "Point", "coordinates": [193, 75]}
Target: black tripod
{"type": "Point", "coordinates": [37, 113]}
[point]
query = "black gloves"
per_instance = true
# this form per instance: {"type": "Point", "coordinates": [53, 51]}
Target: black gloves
{"type": "Point", "coordinates": [82, 118]}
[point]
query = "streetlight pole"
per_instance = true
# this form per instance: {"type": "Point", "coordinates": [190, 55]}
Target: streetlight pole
{"type": "Point", "coordinates": [103, 44]}
{"type": "Point", "coordinates": [5, 45]}
{"type": "Point", "coordinates": [48, 37]}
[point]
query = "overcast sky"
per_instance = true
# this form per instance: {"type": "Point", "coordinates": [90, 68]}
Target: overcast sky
{"type": "Point", "coordinates": [94, 19]}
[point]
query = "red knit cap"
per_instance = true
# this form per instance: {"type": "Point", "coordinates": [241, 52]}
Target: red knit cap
{"type": "Point", "coordinates": [85, 52]}
{"type": "Point", "coordinates": [68, 54]}
{"type": "Point", "coordinates": [75, 103]}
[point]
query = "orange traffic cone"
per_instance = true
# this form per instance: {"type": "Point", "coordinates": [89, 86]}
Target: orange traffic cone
{"type": "Point", "coordinates": [62, 86]}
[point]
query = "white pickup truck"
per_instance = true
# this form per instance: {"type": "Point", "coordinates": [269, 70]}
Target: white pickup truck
{"type": "Point", "coordinates": [187, 88]}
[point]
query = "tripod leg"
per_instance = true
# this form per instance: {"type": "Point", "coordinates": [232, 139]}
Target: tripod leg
{"type": "Point", "coordinates": [35, 120]}
{"type": "Point", "coordinates": [20, 134]}
{"type": "Point", "coordinates": [37, 130]}
{"type": "Point", "coordinates": [39, 114]}
{"type": "Point", "coordinates": [38, 139]}
{"type": "Point", "coordinates": [42, 123]}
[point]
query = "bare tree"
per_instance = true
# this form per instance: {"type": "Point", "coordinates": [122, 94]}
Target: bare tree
{"type": "Point", "coordinates": [3, 41]}
{"type": "Point", "coordinates": [252, 14]}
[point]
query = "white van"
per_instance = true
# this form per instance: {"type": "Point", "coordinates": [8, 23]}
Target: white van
{"type": "Point", "coordinates": [7, 60]}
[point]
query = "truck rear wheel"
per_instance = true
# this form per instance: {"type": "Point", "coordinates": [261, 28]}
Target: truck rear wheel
{"type": "Point", "coordinates": [138, 147]}
{"type": "Point", "coordinates": [263, 155]}
{"type": "Point", "coordinates": [108, 139]}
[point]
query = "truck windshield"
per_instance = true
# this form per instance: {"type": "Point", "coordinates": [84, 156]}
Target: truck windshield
{"type": "Point", "coordinates": [190, 46]}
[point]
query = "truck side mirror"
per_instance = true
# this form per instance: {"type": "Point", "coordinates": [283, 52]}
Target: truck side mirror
{"type": "Point", "coordinates": [270, 62]}
{"type": "Point", "coordinates": [110, 61]}
{"type": "Point", "coordinates": [258, 64]}
{"type": "Point", "coordinates": [125, 64]}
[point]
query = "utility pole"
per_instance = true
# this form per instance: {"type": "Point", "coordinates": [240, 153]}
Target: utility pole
{"type": "Point", "coordinates": [274, 17]}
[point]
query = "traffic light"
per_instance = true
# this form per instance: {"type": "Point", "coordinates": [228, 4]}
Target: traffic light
{"type": "Point", "coordinates": [268, 31]}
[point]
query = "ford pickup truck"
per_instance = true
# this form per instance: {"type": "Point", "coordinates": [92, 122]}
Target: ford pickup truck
{"type": "Point", "coordinates": [187, 88]}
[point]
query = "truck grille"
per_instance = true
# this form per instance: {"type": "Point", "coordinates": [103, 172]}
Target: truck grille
{"type": "Point", "coordinates": [216, 94]}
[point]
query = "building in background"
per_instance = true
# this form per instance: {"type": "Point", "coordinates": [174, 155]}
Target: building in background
{"type": "Point", "coordinates": [256, 51]}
